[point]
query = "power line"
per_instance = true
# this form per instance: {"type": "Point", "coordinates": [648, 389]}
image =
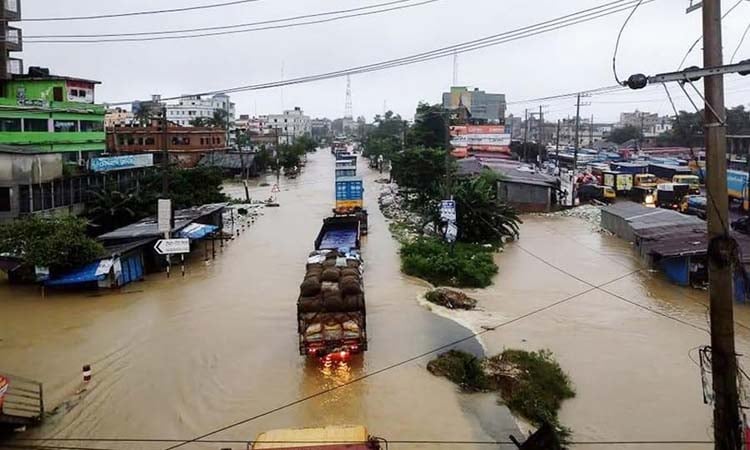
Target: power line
{"type": "Point", "coordinates": [43, 39]}
{"type": "Point", "coordinates": [137, 13]}
{"type": "Point", "coordinates": [391, 366]}
{"type": "Point", "coordinates": [493, 40]}
{"type": "Point", "coordinates": [739, 44]}
{"type": "Point", "coordinates": [692, 47]}
{"type": "Point", "coordinates": [617, 43]}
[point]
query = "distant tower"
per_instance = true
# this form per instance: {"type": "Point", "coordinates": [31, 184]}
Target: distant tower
{"type": "Point", "coordinates": [348, 112]}
{"type": "Point", "coordinates": [455, 68]}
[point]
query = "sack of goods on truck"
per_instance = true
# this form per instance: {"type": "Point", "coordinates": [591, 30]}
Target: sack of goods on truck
{"type": "Point", "coordinates": [332, 283]}
{"type": "Point", "coordinates": [332, 326]}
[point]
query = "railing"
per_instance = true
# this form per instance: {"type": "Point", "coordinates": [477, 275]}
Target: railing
{"type": "Point", "coordinates": [23, 400]}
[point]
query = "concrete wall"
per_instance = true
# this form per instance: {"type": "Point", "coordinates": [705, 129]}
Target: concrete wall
{"type": "Point", "coordinates": [19, 168]}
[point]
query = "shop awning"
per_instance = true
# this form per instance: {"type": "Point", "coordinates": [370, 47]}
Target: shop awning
{"type": "Point", "coordinates": [95, 271]}
{"type": "Point", "coordinates": [197, 231]}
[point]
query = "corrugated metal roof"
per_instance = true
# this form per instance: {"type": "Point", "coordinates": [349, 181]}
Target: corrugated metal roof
{"type": "Point", "coordinates": [148, 227]}
{"type": "Point", "coordinates": [232, 160]}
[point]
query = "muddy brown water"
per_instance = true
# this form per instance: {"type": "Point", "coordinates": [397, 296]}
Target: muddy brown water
{"type": "Point", "coordinates": [176, 358]}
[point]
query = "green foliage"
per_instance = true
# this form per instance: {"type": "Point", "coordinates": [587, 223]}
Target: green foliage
{"type": "Point", "coordinates": [386, 138]}
{"type": "Point", "coordinates": [480, 217]}
{"type": "Point", "coordinates": [540, 388]}
{"type": "Point", "coordinates": [422, 170]}
{"type": "Point", "coordinates": [108, 209]}
{"type": "Point", "coordinates": [624, 134]}
{"type": "Point", "coordinates": [430, 128]}
{"type": "Point", "coordinates": [463, 266]}
{"type": "Point", "coordinates": [58, 243]}
{"type": "Point", "coordinates": [264, 159]}
{"type": "Point", "coordinates": [462, 368]}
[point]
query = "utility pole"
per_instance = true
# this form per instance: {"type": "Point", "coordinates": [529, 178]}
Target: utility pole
{"type": "Point", "coordinates": [557, 146]}
{"type": "Point", "coordinates": [591, 132]}
{"type": "Point", "coordinates": [578, 124]}
{"type": "Point", "coordinates": [541, 126]}
{"type": "Point", "coordinates": [164, 153]}
{"type": "Point", "coordinates": [525, 132]}
{"type": "Point", "coordinates": [727, 435]}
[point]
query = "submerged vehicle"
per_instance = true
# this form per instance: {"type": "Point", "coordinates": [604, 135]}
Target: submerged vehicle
{"type": "Point", "coordinates": [588, 192]}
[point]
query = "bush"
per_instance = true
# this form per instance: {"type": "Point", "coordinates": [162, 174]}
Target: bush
{"type": "Point", "coordinates": [461, 368]}
{"type": "Point", "coordinates": [467, 265]}
{"type": "Point", "coordinates": [540, 388]}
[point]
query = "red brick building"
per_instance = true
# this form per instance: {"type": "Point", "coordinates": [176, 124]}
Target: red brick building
{"type": "Point", "coordinates": [186, 145]}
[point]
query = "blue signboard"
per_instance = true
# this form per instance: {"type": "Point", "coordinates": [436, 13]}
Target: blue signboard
{"type": "Point", "coordinates": [106, 164]}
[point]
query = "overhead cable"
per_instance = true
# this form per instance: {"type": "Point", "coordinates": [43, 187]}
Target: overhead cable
{"type": "Point", "coordinates": [469, 46]}
{"type": "Point", "coordinates": [136, 13]}
{"type": "Point", "coordinates": [228, 27]}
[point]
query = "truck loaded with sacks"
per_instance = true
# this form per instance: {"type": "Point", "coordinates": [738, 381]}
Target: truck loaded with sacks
{"type": "Point", "coordinates": [331, 313]}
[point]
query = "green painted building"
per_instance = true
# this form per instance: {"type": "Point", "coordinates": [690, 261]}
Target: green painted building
{"type": "Point", "coordinates": [55, 114]}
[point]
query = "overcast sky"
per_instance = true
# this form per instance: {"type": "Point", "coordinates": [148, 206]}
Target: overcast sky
{"type": "Point", "coordinates": [562, 61]}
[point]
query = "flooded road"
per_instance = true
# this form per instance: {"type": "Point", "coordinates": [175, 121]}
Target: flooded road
{"type": "Point", "coordinates": [180, 357]}
{"type": "Point", "coordinates": [177, 358]}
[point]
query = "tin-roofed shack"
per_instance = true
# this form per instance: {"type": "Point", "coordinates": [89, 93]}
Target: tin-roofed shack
{"type": "Point", "coordinates": [525, 189]}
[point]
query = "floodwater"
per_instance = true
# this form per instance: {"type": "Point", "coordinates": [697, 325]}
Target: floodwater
{"type": "Point", "coordinates": [177, 358]}
{"type": "Point", "coordinates": [635, 371]}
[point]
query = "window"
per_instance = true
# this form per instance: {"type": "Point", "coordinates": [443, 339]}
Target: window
{"type": "Point", "coordinates": [66, 126]}
{"type": "Point", "coordinates": [4, 199]}
{"type": "Point", "coordinates": [91, 125]}
{"type": "Point", "coordinates": [10, 124]}
{"type": "Point", "coordinates": [35, 125]}
{"type": "Point", "coordinates": [150, 141]}
{"type": "Point", "coordinates": [57, 93]}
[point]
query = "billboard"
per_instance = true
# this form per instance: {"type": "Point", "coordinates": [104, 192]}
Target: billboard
{"type": "Point", "coordinates": [108, 163]}
{"type": "Point", "coordinates": [480, 138]}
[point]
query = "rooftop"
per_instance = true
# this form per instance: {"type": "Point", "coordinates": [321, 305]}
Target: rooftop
{"type": "Point", "coordinates": [27, 77]}
{"type": "Point", "coordinates": [229, 160]}
{"type": "Point", "coordinates": [149, 228]}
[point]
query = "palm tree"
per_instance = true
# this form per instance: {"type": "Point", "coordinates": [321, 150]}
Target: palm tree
{"type": "Point", "coordinates": [109, 208]}
{"type": "Point", "coordinates": [200, 122]}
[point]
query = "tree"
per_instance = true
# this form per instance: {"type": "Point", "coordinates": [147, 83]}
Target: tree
{"type": "Point", "coordinates": [421, 170]}
{"type": "Point", "coordinates": [481, 218]}
{"type": "Point", "coordinates": [199, 122]}
{"type": "Point", "coordinates": [58, 243]}
{"type": "Point", "coordinates": [625, 134]}
{"type": "Point", "coordinates": [385, 139]}
{"type": "Point", "coordinates": [108, 209]}
{"type": "Point", "coordinates": [219, 119]}
{"type": "Point", "coordinates": [430, 128]}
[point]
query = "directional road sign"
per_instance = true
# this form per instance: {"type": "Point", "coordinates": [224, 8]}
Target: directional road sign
{"type": "Point", "coordinates": [172, 246]}
{"type": "Point", "coordinates": [448, 210]}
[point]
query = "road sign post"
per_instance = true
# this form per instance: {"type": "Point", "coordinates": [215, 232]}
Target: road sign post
{"type": "Point", "coordinates": [172, 246]}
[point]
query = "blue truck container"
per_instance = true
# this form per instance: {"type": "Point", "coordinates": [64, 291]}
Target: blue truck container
{"type": "Point", "coordinates": [668, 171]}
{"type": "Point", "coordinates": [349, 192]}
{"type": "Point", "coordinates": [737, 184]}
{"type": "Point", "coordinates": [632, 168]}
{"type": "Point", "coordinates": [346, 172]}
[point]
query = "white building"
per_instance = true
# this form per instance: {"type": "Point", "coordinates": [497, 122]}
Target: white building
{"type": "Point", "coordinates": [192, 107]}
{"type": "Point", "coordinates": [290, 125]}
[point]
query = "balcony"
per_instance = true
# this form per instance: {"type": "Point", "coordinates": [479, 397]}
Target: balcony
{"type": "Point", "coordinates": [14, 39]}
{"type": "Point", "coordinates": [11, 10]}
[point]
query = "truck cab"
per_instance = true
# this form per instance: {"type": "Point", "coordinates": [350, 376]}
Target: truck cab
{"type": "Point", "coordinates": [645, 180]}
{"type": "Point", "coordinates": [691, 180]}
{"type": "Point", "coordinates": [342, 437]}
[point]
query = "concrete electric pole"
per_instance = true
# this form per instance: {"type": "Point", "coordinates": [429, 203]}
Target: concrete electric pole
{"type": "Point", "coordinates": [578, 124]}
{"type": "Point", "coordinates": [722, 248]}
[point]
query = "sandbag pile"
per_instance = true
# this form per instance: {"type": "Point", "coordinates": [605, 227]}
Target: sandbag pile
{"type": "Point", "coordinates": [332, 284]}
{"type": "Point", "coordinates": [332, 326]}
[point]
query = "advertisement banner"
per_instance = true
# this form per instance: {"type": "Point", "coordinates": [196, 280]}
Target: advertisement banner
{"type": "Point", "coordinates": [484, 138]}
{"type": "Point", "coordinates": [108, 163]}
{"type": "Point", "coordinates": [3, 389]}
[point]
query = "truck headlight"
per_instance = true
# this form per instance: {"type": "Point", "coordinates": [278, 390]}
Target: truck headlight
{"type": "Point", "coordinates": [649, 199]}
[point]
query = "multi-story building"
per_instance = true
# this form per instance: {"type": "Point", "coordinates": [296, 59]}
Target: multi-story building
{"type": "Point", "coordinates": [320, 128]}
{"type": "Point", "coordinates": [52, 113]}
{"type": "Point", "coordinates": [290, 125]}
{"type": "Point", "coordinates": [191, 107]}
{"type": "Point", "coordinates": [484, 107]}
{"type": "Point", "coordinates": [185, 145]}
{"type": "Point", "coordinates": [117, 117]}
{"type": "Point", "coordinates": [10, 11]}
{"type": "Point", "coordinates": [588, 134]}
